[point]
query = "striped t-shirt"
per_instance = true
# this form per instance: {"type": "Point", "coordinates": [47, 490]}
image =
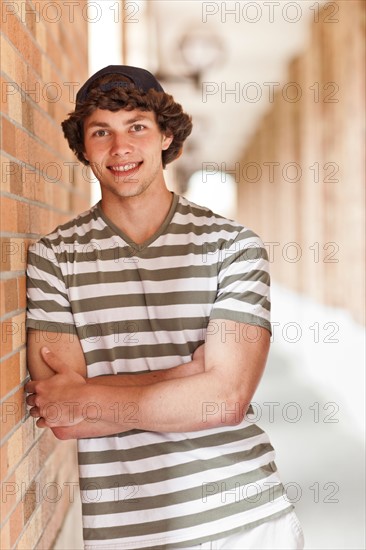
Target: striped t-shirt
{"type": "Point", "coordinates": [138, 308]}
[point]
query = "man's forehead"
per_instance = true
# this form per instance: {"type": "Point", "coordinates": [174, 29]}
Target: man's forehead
{"type": "Point", "coordinates": [122, 115]}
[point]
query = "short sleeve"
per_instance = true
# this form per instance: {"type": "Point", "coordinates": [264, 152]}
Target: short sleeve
{"type": "Point", "coordinates": [243, 281]}
{"type": "Point", "coordinates": [48, 306]}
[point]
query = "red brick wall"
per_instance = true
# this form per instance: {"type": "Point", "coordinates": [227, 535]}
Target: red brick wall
{"type": "Point", "coordinates": [314, 223]}
{"type": "Point", "coordinates": [44, 52]}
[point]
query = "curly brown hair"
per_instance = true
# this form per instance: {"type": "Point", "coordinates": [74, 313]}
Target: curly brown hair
{"type": "Point", "coordinates": [169, 115]}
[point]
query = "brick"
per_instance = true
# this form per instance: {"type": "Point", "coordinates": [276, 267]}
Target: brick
{"type": "Point", "coordinates": [23, 146]}
{"type": "Point", "coordinates": [4, 461]}
{"type": "Point", "coordinates": [14, 451]}
{"type": "Point", "coordinates": [8, 328]}
{"type": "Point", "coordinates": [30, 19]}
{"type": "Point", "coordinates": [40, 32]}
{"type": "Point", "coordinates": [22, 297]}
{"type": "Point", "coordinates": [27, 118]}
{"type": "Point", "coordinates": [5, 173]}
{"type": "Point", "coordinates": [8, 296]}
{"type": "Point", "coordinates": [8, 57]}
{"type": "Point", "coordinates": [12, 333]}
{"type": "Point", "coordinates": [33, 463]}
{"type": "Point", "coordinates": [15, 171]}
{"type": "Point", "coordinates": [8, 136]}
{"type": "Point", "coordinates": [30, 501]}
{"type": "Point", "coordinates": [10, 495]}
{"type": "Point", "coordinates": [16, 523]}
{"type": "Point", "coordinates": [14, 110]}
{"type": "Point", "coordinates": [23, 214]}
{"type": "Point", "coordinates": [12, 411]}
{"type": "Point", "coordinates": [5, 536]}
{"type": "Point", "coordinates": [6, 89]}
{"type": "Point", "coordinates": [13, 254]}
{"type": "Point", "coordinates": [10, 374]}
{"type": "Point", "coordinates": [9, 215]}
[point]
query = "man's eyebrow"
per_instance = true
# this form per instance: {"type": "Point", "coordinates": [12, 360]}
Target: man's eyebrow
{"type": "Point", "coordinates": [137, 118]}
{"type": "Point", "coordinates": [97, 123]}
{"type": "Point", "coordinates": [101, 124]}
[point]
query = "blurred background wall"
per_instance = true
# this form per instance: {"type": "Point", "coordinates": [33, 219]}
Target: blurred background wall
{"type": "Point", "coordinates": [276, 91]}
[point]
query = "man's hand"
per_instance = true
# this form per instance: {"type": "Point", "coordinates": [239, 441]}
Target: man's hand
{"type": "Point", "coordinates": [56, 401]}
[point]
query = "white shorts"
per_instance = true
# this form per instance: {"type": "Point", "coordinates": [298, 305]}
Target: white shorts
{"type": "Point", "coordinates": [283, 533]}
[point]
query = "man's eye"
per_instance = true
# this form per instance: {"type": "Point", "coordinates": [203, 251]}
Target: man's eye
{"type": "Point", "coordinates": [100, 133]}
{"type": "Point", "coordinates": [138, 127]}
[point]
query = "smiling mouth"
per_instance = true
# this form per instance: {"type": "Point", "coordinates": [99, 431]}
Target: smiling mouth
{"type": "Point", "coordinates": [125, 169]}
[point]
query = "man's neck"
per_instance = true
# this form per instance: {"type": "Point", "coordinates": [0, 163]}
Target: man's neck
{"type": "Point", "coordinates": [139, 217]}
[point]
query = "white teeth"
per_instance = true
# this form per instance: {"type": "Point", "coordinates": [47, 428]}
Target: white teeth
{"type": "Point", "coordinates": [124, 168]}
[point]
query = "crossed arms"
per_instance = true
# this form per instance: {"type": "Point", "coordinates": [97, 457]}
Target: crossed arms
{"type": "Point", "coordinates": [214, 389]}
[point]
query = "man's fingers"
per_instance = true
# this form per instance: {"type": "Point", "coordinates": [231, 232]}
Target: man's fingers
{"type": "Point", "coordinates": [41, 423]}
{"type": "Point", "coordinates": [35, 412]}
{"type": "Point", "coordinates": [30, 387]}
{"type": "Point", "coordinates": [31, 399]}
{"type": "Point", "coordinates": [53, 361]}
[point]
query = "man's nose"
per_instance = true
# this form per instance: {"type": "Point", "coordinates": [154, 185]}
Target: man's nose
{"type": "Point", "coordinates": [121, 144]}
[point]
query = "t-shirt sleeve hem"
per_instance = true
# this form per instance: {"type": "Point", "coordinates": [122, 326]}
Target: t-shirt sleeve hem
{"type": "Point", "coordinates": [51, 326]}
{"type": "Point", "coordinates": [241, 317]}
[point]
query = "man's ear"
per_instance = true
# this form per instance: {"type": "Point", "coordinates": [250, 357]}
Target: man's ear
{"type": "Point", "coordinates": [167, 140]}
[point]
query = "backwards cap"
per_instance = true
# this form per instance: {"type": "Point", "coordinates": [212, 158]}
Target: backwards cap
{"type": "Point", "coordinates": [140, 78]}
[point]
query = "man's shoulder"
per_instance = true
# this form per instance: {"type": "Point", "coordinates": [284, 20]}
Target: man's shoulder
{"type": "Point", "coordinates": [187, 207]}
{"type": "Point", "coordinates": [71, 231]}
{"type": "Point", "coordinates": [202, 215]}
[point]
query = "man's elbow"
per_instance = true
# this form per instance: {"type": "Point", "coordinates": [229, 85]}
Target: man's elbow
{"type": "Point", "coordinates": [226, 412]}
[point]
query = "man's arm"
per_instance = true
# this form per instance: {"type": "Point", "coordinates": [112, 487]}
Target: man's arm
{"type": "Point", "coordinates": [68, 351]}
{"type": "Point", "coordinates": [146, 378]}
{"type": "Point", "coordinates": [216, 397]}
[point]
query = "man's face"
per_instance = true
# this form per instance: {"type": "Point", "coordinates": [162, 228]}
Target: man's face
{"type": "Point", "coordinates": [124, 149]}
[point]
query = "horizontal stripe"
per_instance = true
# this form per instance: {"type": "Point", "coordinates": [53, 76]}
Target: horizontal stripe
{"type": "Point", "coordinates": [140, 438]}
{"type": "Point", "coordinates": [184, 445]}
{"type": "Point", "coordinates": [51, 326]}
{"type": "Point", "coordinates": [249, 297]}
{"type": "Point", "coordinates": [179, 522]}
{"type": "Point", "coordinates": [212, 495]}
{"type": "Point", "coordinates": [217, 249]}
{"type": "Point", "coordinates": [133, 300]}
{"type": "Point", "coordinates": [173, 472]}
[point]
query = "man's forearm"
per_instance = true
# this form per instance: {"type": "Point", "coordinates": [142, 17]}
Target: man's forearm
{"type": "Point", "coordinates": [147, 378]}
{"type": "Point", "coordinates": [185, 404]}
{"type": "Point", "coordinates": [123, 416]}
{"type": "Point", "coordinates": [88, 428]}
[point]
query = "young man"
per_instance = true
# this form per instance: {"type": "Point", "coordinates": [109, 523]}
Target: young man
{"type": "Point", "coordinates": [161, 314]}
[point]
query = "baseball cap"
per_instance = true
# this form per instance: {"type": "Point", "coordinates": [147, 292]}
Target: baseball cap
{"type": "Point", "coordinates": [140, 78]}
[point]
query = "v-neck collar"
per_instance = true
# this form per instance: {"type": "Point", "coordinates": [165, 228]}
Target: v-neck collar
{"type": "Point", "coordinates": [158, 232]}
